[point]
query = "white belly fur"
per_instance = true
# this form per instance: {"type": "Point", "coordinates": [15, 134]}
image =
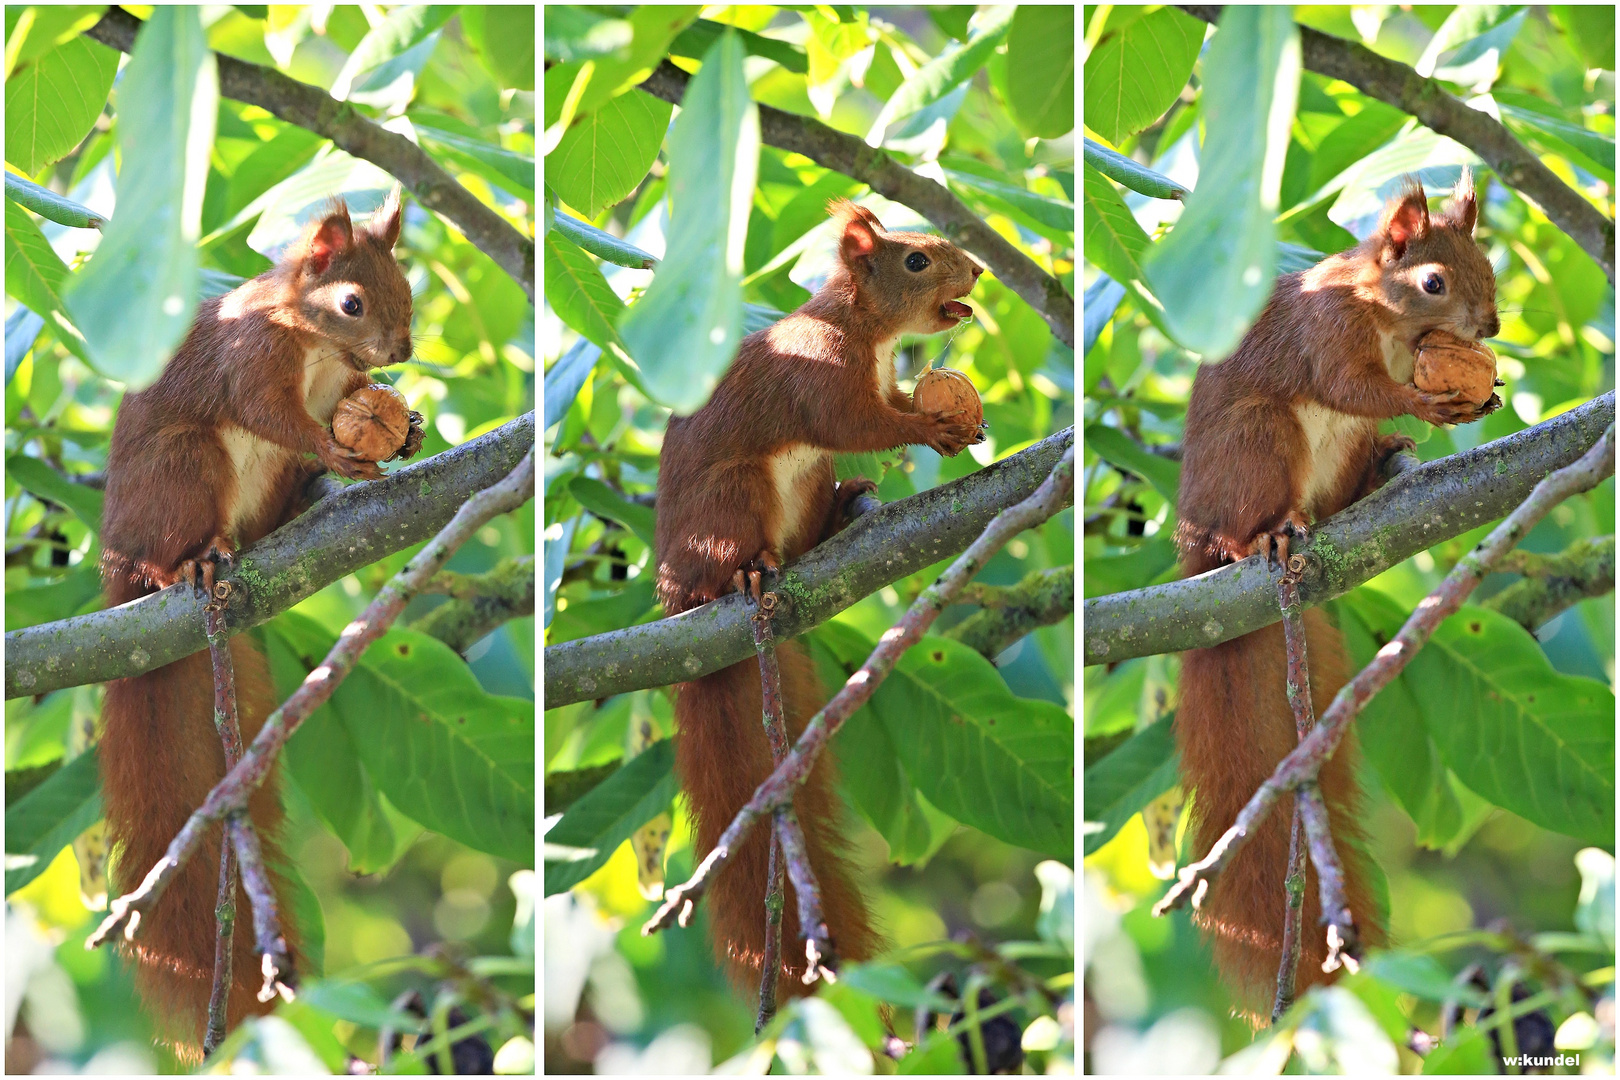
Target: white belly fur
{"type": "Point", "coordinates": [1329, 438]}
{"type": "Point", "coordinates": [885, 366]}
{"type": "Point", "coordinates": [788, 469]}
{"type": "Point", "coordinates": [258, 462]}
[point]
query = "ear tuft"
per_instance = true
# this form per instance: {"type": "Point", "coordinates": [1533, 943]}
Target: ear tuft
{"type": "Point", "coordinates": [326, 238]}
{"type": "Point", "coordinates": [1406, 218]}
{"type": "Point", "coordinates": [385, 223]}
{"type": "Point", "coordinates": [1464, 210]}
{"type": "Point", "coordinates": [861, 233]}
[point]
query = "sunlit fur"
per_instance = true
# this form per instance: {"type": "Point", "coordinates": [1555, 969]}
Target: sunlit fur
{"type": "Point", "coordinates": [211, 456]}
{"type": "Point", "coordinates": [1287, 427]}
{"type": "Point", "coordinates": [751, 473]}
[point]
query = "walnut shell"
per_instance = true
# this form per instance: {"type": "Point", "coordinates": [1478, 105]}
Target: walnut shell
{"type": "Point", "coordinates": [373, 422]}
{"type": "Point", "coordinates": [1446, 362]}
{"type": "Point", "coordinates": [944, 390]}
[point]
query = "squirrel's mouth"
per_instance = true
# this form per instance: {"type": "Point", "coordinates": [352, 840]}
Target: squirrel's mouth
{"type": "Point", "coordinates": [955, 309]}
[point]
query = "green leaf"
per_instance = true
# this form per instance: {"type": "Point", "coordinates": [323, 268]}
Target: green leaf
{"type": "Point", "coordinates": [1515, 730]}
{"type": "Point", "coordinates": [58, 600]}
{"type": "Point", "coordinates": [1214, 271]}
{"type": "Point", "coordinates": [270, 164]}
{"type": "Point", "coordinates": [503, 37]}
{"type": "Point", "coordinates": [1115, 243]}
{"type": "Point", "coordinates": [457, 759]}
{"type": "Point", "coordinates": [942, 74]}
{"type": "Point", "coordinates": [1118, 448]}
{"type": "Point", "coordinates": [403, 28]}
{"type": "Point", "coordinates": [45, 482]}
{"type": "Point", "coordinates": [52, 104]}
{"type": "Point", "coordinates": [49, 818]}
{"type": "Point", "coordinates": [603, 245]}
{"type": "Point", "coordinates": [1045, 209]}
{"type": "Point", "coordinates": [698, 38]}
{"type": "Point", "coordinates": [1040, 69]}
{"type": "Point", "coordinates": [604, 502]}
{"type": "Point", "coordinates": [36, 275]}
{"type": "Point", "coordinates": [1590, 32]}
{"type": "Point", "coordinates": [605, 155]}
{"type": "Point", "coordinates": [1421, 976]}
{"type": "Point", "coordinates": [869, 767]}
{"type": "Point", "coordinates": [1139, 178]}
{"type": "Point", "coordinates": [573, 33]}
{"type": "Point", "coordinates": [686, 327]}
{"type": "Point", "coordinates": [135, 298]}
{"type": "Point", "coordinates": [579, 294]}
{"type": "Point", "coordinates": [505, 169]}
{"type": "Point", "coordinates": [599, 822]}
{"type": "Point", "coordinates": [653, 27]}
{"type": "Point", "coordinates": [1000, 763]}
{"type": "Point", "coordinates": [359, 1004]}
{"type": "Point", "coordinates": [1138, 771]}
{"type": "Point", "coordinates": [39, 28]}
{"type": "Point", "coordinates": [1137, 71]}
{"type": "Point", "coordinates": [49, 205]}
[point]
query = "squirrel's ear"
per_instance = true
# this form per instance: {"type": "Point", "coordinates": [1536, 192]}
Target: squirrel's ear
{"type": "Point", "coordinates": [1464, 207]}
{"type": "Point", "coordinates": [1406, 218]}
{"type": "Point", "coordinates": [861, 227]}
{"type": "Point", "coordinates": [327, 237]}
{"type": "Point", "coordinates": [385, 222]}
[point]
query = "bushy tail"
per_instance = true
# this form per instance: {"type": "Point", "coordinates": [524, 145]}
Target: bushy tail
{"type": "Point", "coordinates": [1233, 726]}
{"type": "Point", "coordinates": [722, 756]}
{"type": "Point", "coordinates": [160, 756]}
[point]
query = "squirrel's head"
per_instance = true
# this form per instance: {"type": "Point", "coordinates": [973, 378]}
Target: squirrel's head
{"type": "Point", "coordinates": [1431, 269]}
{"type": "Point", "coordinates": [910, 281]}
{"type": "Point", "coordinates": [349, 287]}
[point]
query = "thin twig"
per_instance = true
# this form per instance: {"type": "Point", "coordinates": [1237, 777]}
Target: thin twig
{"type": "Point", "coordinates": [1299, 698]}
{"type": "Point", "coordinates": [1305, 763]}
{"type": "Point", "coordinates": [770, 676]}
{"type": "Point", "coordinates": [230, 740]}
{"type": "Point", "coordinates": [1054, 493]}
{"type": "Point", "coordinates": [231, 794]}
{"type": "Point", "coordinates": [275, 958]}
{"type": "Point", "coordinates": [821, 959]}
{"type": "Point", "coordinates": [1343, 941]}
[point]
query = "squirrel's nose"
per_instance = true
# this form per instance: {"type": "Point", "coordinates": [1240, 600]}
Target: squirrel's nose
{"type": "Point", "coordinates": [977, 270]}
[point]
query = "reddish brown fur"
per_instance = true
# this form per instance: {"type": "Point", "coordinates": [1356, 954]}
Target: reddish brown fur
{"type": "Point", "coordinates": [1286, 429]}
{"type": "Point", "coordinates": [748, 479]}
{"type": "Point", "coordinates": [175, 497]}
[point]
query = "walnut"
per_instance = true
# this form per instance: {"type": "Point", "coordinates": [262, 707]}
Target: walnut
{"type": "Point", "coordinates": [943, 390]}
{"type": "Point", "coordinates": [373, 422]}
{"type": "Point", "coordinates": [1446, 362]}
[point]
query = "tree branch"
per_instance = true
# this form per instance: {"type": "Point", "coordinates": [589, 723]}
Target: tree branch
{"type": "Point", "coordinates": [479, 603]}
{"type": "Point", "coordinates": [1041, 599]}
{"type": "Point", "coordinates": [871, 166]}
{"type": "Point", "coordinates": [1554, 582]}
{"type": "Point", "coordinates": [879, 549]}
{"type": "Point", "coordinates": [349, 129]}
{"type": "Point", "coordinates": [338, 536]}
{"type": "Point", "coordinates": [1412, 513]}
{"type": "Point", "coordinates": [1396, 84]}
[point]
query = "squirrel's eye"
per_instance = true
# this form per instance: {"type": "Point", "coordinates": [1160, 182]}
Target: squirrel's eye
{"type": "Point", "coordinates": [351, 305]}
{"type": "Point", "coordinates": [1434, 284]}
{"type": "Point", "coordinates": [916, 261]}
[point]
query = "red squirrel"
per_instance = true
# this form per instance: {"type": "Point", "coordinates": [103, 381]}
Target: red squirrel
{"type": "Point", "coordinates": [746, 484]}
{"type": "Point", "coordinates": [208, 459]}
{"type": "Point", "coordinates": [1279, 435]}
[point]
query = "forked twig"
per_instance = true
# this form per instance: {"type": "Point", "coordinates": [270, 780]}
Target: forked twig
{"type": "Point", "coordinates": [231, 794]}
{"type": "Point", "coordinates": [1054, 493]}
{"type": "Point", "coordinates": [1305, 763]}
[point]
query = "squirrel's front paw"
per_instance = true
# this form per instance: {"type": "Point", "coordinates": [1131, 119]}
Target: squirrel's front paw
{"type": "Point", "coordinates": [1448, 407]}
{"type": "Point", "coordinates": [948, 435]}
{"type": "Point", "coordinates": [346, 463]}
